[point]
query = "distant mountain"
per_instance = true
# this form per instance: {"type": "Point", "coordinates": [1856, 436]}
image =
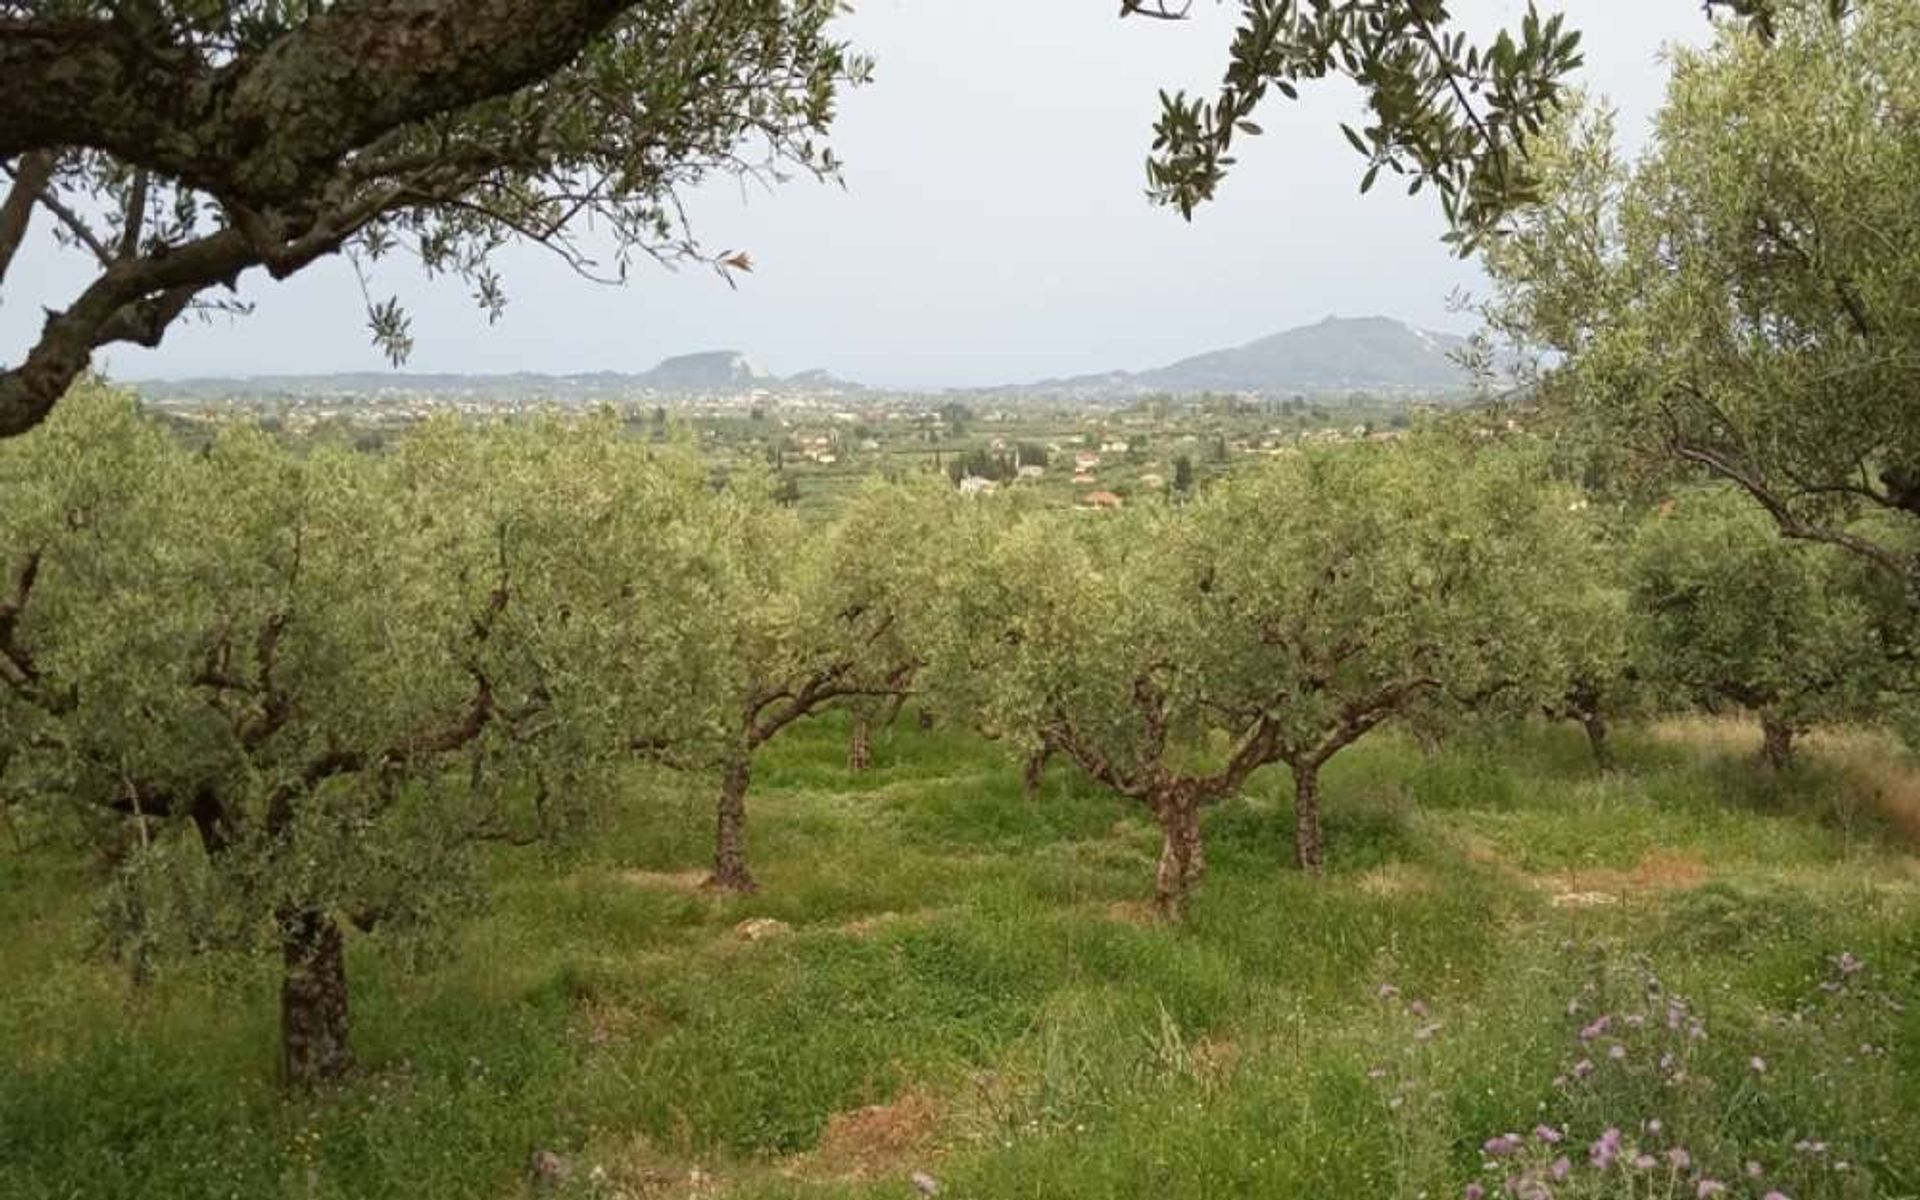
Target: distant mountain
{"type": "Point", "coordinates": [713, 372]}
{"type": "Point", "coordinates": [1339, 354]}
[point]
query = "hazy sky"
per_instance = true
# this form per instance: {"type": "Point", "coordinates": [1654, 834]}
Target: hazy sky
{"type": "Point", "coordinates": [992, 227]}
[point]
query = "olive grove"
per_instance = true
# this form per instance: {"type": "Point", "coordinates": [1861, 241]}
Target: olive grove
{"type": "Point", "coordinates": [288, 694]}
{"type": "Point", "coordinates": [797, 622]}
{"type": "Point", "coordinates": [1281, 617]}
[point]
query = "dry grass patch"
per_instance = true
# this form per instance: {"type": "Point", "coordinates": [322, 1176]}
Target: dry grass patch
{"type": "Point", "coordinates": [1398, 879]}
{"type": "Point", "coordinates": [690, 882]}
{"type": "Point", "coordinates": [1213, 1061]}
{"type": "Point", "coordinates": [1884, 772]}
{"type": "Point", "coordinates": [642, 1171]}
{"type": "Point", "coordinates": [1131, 912]}
{"type": "Point", "coordinates": [1727, 735]}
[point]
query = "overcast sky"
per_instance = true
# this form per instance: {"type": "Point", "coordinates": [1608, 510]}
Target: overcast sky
{"type": "Point", "coordinates": [992, 227]}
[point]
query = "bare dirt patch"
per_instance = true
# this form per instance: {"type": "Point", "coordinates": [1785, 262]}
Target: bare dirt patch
{"type": "Point", "coordinates": [872, 923]}
{"type": "Point", "coordinates": [877, 1141]}
{"type": "Point", "coordinates": [1213, 1061]}
{"type": "Point", "coordinates": [1658, 871]}
{"type": "Point", "coordinates": [760, 929]}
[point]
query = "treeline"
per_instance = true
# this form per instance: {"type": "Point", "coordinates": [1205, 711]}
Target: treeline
{"type": "Point", "coordinates": [287, 693]}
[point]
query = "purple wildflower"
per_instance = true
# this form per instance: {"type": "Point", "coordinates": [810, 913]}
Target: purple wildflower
{"type": "Point", "coordinates": [1388, 991]}
{"type": "Point", "coordinates": [1645, 1162]}
{"type": "Point", "coordinates": [1561, 1168]}
{"type": "Point", "coordinates": [1776, 1196]}
{"type": "Point", "coordinates": [1546, 1133]}
{"type": "Point", "coordinates": [1476, 1192]}
{"type": "Point", "coordinates": [1847, 963]}
{"type": "Point", "coordinates": [1680, 1159]}
{"type": "Point", "coordinates": [1583, 1068]}
{"type": "Point", "coordinates": [1602, 1152]}
{"type": "Point", "coordinates": [1506, 1143]}
{"type": "Point", "coordinates": [1599, 1025]}
{"type": "Point", "coordinates": [1709, 1187]}
{"type": "Point", "coordinates": [1418, 1008]}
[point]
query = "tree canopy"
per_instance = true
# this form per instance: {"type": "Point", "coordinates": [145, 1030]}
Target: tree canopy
{"type": "Point", "coordinates": [1283, 615]}
{"type": "Point", "coordinates": [1742, 300]}
{"type": "Point", "coordinates": [1726, 612]}
{"type": "Point", "coordinates": [176, 144]}
{"type": "Point", "coordinates": [1446, 111]}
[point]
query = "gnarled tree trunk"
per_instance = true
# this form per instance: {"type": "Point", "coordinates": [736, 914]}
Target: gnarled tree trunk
{"type": "Point", "coordinates": [313, 1000]}
{"type": "Point", "coordinates": [730, 835]}
{"type": "Point", "coordinates": [1307, 852]}
{"type": "Point", "coordinates": [1776, 742]}
{"type": "Point", "coordinates": [1182, 856]}
{"type": "Point", "coordinates": [1596, 726]}
{"type": "Point", "coordinates": [1170, 880]}
{"type": "Point", "coordinates": [860, 745]}
{"type": "Point", "coordinates": [1034, 771]}
{"type": "Point", "coordinates": [1196, 847]}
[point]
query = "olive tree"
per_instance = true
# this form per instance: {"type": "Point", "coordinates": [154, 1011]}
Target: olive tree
{"type": "Point", "coordinates": [799, 621]}
{"type": "Point", "coordinates": [1171, 653]}
{"type": "Point", "coordinates": [293, 694]}
{"type": "Point", "coordinates": [1428, 575]}
{"type": "Point", "coordinates": [1726, 612]}
{"type": "Point", "coordinates": [1604, 680]}
{"type": "Point", "coordinates": [175, 145]}
{"type": "Point", "coordinates": [1741, 301]}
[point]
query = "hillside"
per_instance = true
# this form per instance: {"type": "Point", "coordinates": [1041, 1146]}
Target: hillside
{"type": "Point", "coordinates": [943, 978]}
{"type": "Point", "coordinates": [712, 372]}
{"type": "Point", "coordinates": [1338, 354]}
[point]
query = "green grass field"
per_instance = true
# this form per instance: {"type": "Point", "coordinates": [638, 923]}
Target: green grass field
{"type": "Point", "coordinates": [967, 987]}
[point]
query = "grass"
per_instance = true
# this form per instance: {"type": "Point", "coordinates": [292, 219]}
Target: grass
{"type": "Point", "coordinates": [967, 987]}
